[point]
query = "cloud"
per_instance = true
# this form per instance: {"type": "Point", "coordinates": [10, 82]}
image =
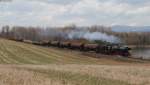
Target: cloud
{"type": "Point", "coordinates": [62, 2]}
{"type": "Point", "coordinates": [132, 1]}
{"type": "Point", "coordinates": [110, 12]}
{"type": "Point", "coordinates": [80, 12]}
{"type": "Point", "coordinates": [30, 13]}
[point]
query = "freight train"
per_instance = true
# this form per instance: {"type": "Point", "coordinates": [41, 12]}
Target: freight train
{"type": "Point", "coordinates": [108, 49]}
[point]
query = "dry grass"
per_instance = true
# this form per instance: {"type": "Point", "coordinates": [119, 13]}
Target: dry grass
{"type": "Point", "coordinates": [13, 76]}
{"type": "Point", "coordinates": [74, 75]}
{"type": "Point", "coordinates": [29, 75]}
{"type": "Point", "coordinates": [130, 74]}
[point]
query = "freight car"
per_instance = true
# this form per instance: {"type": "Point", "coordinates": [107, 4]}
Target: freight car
{"type": "Point", "coordinates": [16, 39]}
{"type": "Point", "coordinates": [77, 46]}
{"type": "Point", "coordinates": [32, 42]}
{"type": "Point", "coordinates": [28, 41]}
{"type": "Point", "coordinates": [54, 43]}
{"type": "Point", "coordinates": [90, 47]}
{"type": "Point", "coordinates": [45, 43]}
{"type": "Point", "coordinates": [65, 45]}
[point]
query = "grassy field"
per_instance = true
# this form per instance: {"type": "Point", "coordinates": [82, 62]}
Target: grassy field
{"type": "Point", "coordinates": [25, 64]}
{"type": "Point", "coordinates": [12, 52]}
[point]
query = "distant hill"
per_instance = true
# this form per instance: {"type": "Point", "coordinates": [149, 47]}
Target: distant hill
{"type": "Point", "coordinates": [121, 28]}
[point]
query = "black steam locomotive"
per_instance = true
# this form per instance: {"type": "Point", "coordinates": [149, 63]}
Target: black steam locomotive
{"type": "Point", "coordinates": [108, 49]}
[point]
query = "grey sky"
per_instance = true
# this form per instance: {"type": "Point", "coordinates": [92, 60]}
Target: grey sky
{"type": "Point", "coordinates": [79, 12]}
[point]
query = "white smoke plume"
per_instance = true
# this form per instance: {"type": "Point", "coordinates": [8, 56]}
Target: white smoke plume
{"type": "Point", "coordinates": [93, 36]}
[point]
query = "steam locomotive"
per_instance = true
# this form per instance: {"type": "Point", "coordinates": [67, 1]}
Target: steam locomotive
{"type": "Point", "coordinates": [108, 49]}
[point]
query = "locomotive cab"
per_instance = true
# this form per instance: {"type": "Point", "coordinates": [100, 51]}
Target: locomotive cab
{"type": "Point", "coordinates": [124, 51]}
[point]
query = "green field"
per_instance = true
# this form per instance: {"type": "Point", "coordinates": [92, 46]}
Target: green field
{"type": "Point", "coordinates": [26, 64]}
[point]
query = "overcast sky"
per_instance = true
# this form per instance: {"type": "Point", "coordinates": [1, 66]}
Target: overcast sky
{"type": "Point", "coordinates": [79, 12]}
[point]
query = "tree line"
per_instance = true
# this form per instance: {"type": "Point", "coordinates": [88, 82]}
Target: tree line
{"type": "Point", "coordinates": [60, 33]}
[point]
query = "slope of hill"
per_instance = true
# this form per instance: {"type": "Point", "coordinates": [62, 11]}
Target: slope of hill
{"type": "Point", "coordinates": [26, 64]}
{"type": "Point", "coordinates": [12, 52]}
